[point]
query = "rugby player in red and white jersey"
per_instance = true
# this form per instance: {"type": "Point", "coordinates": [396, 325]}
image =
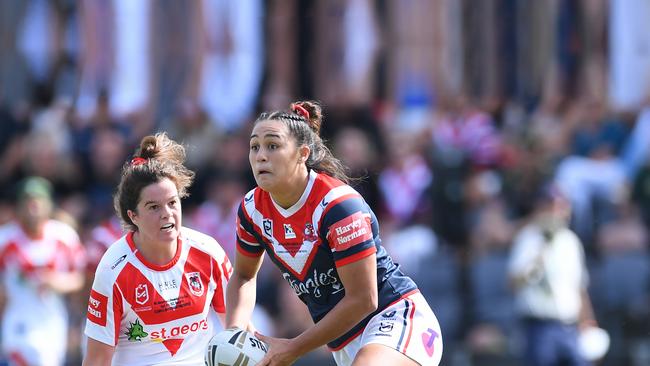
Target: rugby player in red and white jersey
{"type": "Point", "coordinates": [325, 239]}
{"type": "Point", "coordinates": [156, 287]}
{"type": "Point", "coordinates": [41, 260]}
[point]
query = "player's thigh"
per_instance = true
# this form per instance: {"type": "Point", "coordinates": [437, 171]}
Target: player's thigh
{"type": "Point", "coordinates": [379, 354]}
{"type": "Point", "coordinates": [407, 327]}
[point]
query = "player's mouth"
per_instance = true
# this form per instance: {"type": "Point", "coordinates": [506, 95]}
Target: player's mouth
{"type": "Point", "coordinates": [167, 227]}
{"type": "Point", "coordinates": [263, 172]}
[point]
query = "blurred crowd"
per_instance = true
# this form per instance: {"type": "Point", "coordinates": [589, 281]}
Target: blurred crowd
{"type": "Point", "coordinates": [452, 114]}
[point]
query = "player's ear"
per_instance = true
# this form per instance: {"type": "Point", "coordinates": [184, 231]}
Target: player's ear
{"type": "Point", "coordinates": [304, 152]}
{"type": "Point", "coordinates": [133, 216]}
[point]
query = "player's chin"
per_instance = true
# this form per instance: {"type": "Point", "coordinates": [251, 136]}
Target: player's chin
{"type": "Point", "coordinates": [265, 181]}
{"type": "Point", "coordinates": [168, 235]}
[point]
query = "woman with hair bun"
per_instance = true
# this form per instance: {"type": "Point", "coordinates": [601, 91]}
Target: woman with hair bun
{"type": "Point", "coordinates": [155, 287]}
{"type": "Point", "coordinates": [325, 240]}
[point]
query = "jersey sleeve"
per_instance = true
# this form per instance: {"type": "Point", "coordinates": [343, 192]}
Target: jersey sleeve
{"type": "Point", "coordinates": [221, 272]}
{"type": "Point", "coordinates": [247, 241]}
{"type": "Point", "coordinates": [104, 309]}
{"type": "Point", "coordinates": [350, 229]}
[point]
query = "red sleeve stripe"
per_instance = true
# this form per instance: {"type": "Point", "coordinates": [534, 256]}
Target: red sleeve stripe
{"type": "Point", "coordinates": [218, 299]}
{"type": "Point", "coordinates": [243, 251]}
{"type": "Point", "coordinates": [117, 311]}
{"type": "Point", "coordinates": [356, 257]}
{"type": "Point", "coordinates": [250, 241]}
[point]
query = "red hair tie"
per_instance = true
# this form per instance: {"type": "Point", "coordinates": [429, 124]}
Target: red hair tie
{"type": "Point", "coordinates": [138, 161]}
{"type": "Point", "coordinates": [300, 110]}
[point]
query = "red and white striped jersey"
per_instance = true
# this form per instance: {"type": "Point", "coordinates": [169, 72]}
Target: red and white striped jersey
{"type": "Point", "coordinates": [34, 312]}
{"type": "Point", "coordinates": [330, 226]}
{"type": "Point", "coordinates": [158, 314]}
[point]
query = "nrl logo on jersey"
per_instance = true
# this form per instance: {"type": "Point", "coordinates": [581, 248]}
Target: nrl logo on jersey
{"type": "Point", "coordinates": [194, 282]}
{"type": "Point", "coordinates": [141, 294]}
{"type": "Point", "coordinates": [268, 227]}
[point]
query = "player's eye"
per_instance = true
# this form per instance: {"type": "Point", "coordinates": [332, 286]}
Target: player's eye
{"type": "Point", "coordinates": [153, 207]}
{"type": "Point", "coordinates": [255, 147]}
{"type": "Point", "coordinates": [273, 146]}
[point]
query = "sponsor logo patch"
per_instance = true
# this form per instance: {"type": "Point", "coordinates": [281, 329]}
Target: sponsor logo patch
{"type": "Point", "coordinates": [135, 331]}
{"type": "Point", "coordinates": [97, 304]}
{"type": "Point", "coordinates": [118, 261]}
{"type": "Point", "coordinates": [385, 327]}
{"type": "Point", "coordinates": [164, 333]}
{"type": "Point", "coordinates": [350, 231]}
{"type": "Point", "coordinates": [427, 340]}
{"type": "Point", "coordinates": [288, 232]}
{"type": "Point", "coordinates": [313, 285]}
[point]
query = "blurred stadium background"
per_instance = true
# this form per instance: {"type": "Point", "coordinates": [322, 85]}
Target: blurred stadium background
{"type": "Point", "coordinates": [454, 111]}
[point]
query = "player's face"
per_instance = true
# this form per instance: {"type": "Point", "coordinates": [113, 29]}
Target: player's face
{"type": "Point", "coordinates": [158, 214]}
{"type": "Point", "coordinates": [34, 212]}
{"type": "Point", "coordinates": [274, 157]}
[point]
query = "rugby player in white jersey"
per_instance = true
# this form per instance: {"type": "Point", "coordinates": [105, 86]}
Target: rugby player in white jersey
{"type": "Point", "coordinates": [156, 287]}
{"type": "Point", "coordinates": [41, 260]}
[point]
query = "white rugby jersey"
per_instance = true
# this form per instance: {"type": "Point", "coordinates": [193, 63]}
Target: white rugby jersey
{"type": "Point", "coordinates": [158, 314]}
{"type": "Point", "coordinates": [33, 312]}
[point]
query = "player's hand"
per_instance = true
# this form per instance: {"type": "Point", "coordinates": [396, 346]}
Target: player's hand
{"type": "Point", "coordinates": [280, 351]}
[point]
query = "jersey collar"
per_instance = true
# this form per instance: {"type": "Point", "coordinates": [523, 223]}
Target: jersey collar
{"type": "Point", "coordinates": [301, 202]}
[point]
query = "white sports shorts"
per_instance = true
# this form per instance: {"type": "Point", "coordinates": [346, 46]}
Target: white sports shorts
{"type": "Point", "coordinates": [408, 326]}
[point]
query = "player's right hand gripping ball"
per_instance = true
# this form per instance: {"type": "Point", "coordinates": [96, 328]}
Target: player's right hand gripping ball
{"type": "Point", "coordinates": [234, 347]}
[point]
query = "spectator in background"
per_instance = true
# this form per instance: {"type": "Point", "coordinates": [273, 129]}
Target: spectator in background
{"type": "Point", "coordinates": [640, 192]}
{"type": "Point", "coordinates": [548, 272]}
{"type": "Point", "coordinates": [41, 259]}
{"type": "Point", "coordinates": [405, 179]}
{"type": "Point", "coordinates": [216, 215]}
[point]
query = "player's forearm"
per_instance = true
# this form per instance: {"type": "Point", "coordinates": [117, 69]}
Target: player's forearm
{"type": "Point", "coordinates": [64, 282]}
{"type": "Point", "coordinates": [98, 354]}
{"type": "Point", "coordinates": [240, 301]}
{"type": "Point", "coordinates": [346, 314]}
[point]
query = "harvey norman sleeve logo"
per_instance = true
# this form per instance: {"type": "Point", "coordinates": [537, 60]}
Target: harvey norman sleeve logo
{"type": "Point", "coordinates": [97, 304]}
{"type": "Point", "coordinates": [350, 231]}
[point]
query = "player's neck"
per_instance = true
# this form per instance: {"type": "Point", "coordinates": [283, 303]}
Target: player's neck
{"type": "Point", "coordinates": [294, 190]}
{"type": "Point", "coordinates": [34, 231]}
{"type": "Point", "coordinates": [155, 252]}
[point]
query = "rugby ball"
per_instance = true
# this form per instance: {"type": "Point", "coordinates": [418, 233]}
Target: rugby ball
{"type": "Point", "coordinates": [593, 343]}
{"type": "Point", "coordinates": [234, 346]}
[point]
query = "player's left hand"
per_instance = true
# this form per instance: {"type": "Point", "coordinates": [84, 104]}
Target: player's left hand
{"type": "Point", "coordinates": [280, 351]}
